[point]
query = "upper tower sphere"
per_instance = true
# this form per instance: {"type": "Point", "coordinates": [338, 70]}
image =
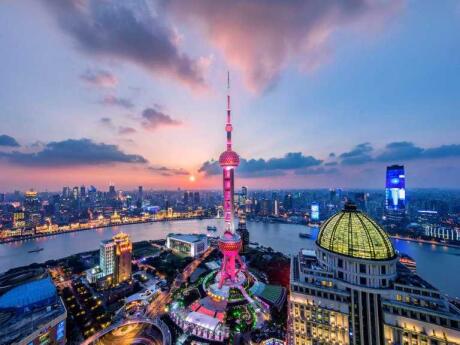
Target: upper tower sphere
{"type": "Point", "coordinates": [229, 158]}
{"type": "Point", "coordinates": [352, 233]}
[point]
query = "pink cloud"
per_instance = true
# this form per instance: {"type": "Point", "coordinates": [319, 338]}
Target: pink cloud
{"type": "Point", "coordinates": [261, 37]}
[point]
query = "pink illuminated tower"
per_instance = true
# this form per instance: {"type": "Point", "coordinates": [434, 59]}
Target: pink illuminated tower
{"type": "Point", "coordinates": [230, 242]}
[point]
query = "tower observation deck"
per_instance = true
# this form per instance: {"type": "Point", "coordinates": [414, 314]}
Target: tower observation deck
{"type": "Point", "coordinates": [230, 242]}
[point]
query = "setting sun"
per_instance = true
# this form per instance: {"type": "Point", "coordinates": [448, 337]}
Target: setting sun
{"type": "Point", "coordinates": [191, 178]}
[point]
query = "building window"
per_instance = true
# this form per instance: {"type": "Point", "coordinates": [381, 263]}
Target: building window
{"type": "Point", "coordinates": [384, 282]}
{"type": "Point", "coordinates": [340, 263]}
{"type": "Point", "coordinates": [383, 270]}
{"type": "Point", "coordinates": [363, 281]}
{"type": "Point", "coordinates": [362, 268]}
{"type": "Point", "coordinates": [340, 275]}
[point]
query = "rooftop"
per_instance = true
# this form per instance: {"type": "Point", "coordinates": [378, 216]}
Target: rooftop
{"type": "Point", "coordinates": [352, 233]}
{"type": "Point", "coordinates": [191, 238]}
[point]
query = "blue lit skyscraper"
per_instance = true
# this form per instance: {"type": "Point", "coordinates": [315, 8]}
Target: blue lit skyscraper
{"type": "Point", "coordinates": [395, 192]}
{"type": "Point", "coordinates": [314, 212]}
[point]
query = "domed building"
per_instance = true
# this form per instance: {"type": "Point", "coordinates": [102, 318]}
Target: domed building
{"type": "Point", "coordinates": [351, 289]}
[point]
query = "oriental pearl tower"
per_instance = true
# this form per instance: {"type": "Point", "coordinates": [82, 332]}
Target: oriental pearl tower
{"type": "Point", "coordinates": [230, 242]}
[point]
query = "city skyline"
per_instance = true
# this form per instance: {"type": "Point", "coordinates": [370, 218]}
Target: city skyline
{"type": "Point", "coordinates": [90, 104]}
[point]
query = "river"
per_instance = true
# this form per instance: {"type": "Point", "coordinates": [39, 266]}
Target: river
{"type": "Point", "coordinates": [436, 264]}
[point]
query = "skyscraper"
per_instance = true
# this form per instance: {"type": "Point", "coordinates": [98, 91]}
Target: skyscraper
{"type": "Point", "coordinates": [395, 193]}
{"type": "Point", "coordinates": [115, 258]}
{"type": "Point", "coordinates": [314, 212]}
{"type": "Point", "coordinates": [352, 290]}
{"type": "Point", "coordinates": [123, 253]}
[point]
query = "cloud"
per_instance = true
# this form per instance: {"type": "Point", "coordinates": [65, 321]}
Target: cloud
{"type": "Point", "coordinates": [106, 122]}
{"type": "Point", "coordinates": [399, 151]}
{"type": "Point", "coordinates": [316, 171]}
{"type": "Point", "coordinates": [261, 167]}
{"type": "Point", "coordinates": [6, 140]}
{"type": "Point", "coordinates": [73, 152]}
{"type": "Point", "coordinates": [117, 101]}
{"type": "Point", "coordinates": [262, 37]}
{"type": "Point", "coordinates": [100, 78]}
{"type": "Point", "coordinates": [125, 31]}
{"type": "Point", "coordinates": [404, 151]}
{"type": "Point", "coordinates": [153, 118]}
{"type": "Point", "coordinates": [126, 130]}
{"type": "Point", "coordinates": [360, 154]}
{"type": "Point", "coordinates": [164, 171]}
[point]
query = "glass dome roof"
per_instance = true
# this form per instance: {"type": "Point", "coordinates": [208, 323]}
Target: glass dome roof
{"type": "Point", "coordinates": [352, 233]}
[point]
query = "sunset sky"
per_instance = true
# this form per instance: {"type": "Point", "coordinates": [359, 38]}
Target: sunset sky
{"type": "Point", "coordinates": [324, 93]}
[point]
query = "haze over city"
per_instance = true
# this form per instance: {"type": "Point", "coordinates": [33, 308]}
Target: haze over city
{"type": "Point", "coordinates": [133, 92]}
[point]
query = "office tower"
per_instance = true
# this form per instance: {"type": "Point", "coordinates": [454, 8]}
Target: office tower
{"type": "Point", "coordinates": [395, 193]}
{"type": "Point", "coordinates": [65, 192]}
{"type": "Point", "coordinates": [112, 192]}
{"type": "Point", "coordinates": [314, 212]}
{"type": "Point", "coordinates": [106, 257]}
{"type": "Point", "coordinates": [244, 192]}
{"type": "Point", "coordinates": [82, 192]}
{"type": "Point", "coordinates": [287, 204]}
{"type": "Point", "coordinates": [185, 198]}
{"type": "Point", "coordinates": [352, 290]}
{"type": "Point", "coordinates": [123, 254]}
{"type": "Point", "coordinates": [140, 194]}
{"type": "Point", "coordinates": [360, 200]}
{"type": "Point", "coordinates": [276, 208]}
{"type": "Point", "coordinates": [75, 193]}
{"type": "Point", "coordinates": [32, 208]}
{"type": "Point", "coordinates": [196, 198]}
{"type": "Point", "coordinates": [2, 197]}
{"type": "Point", "coordinates": [115, 258]}
{"type": "Point", "coordinates": [18, 219]}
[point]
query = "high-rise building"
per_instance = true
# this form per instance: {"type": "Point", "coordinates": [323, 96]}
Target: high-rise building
{"type": "Point", "coordinates": [107, 257]}
{"type": "Point", "coordinates": [244, 192]}
{"type": "Point", "coordinates": [288, 204]}
{"type": "Point", "coordinates": [18, 219]}
{"type": "Point", "coordinates": [352, 290]}
{"type": "Point", "coordinates": [115, 258]}
{"type": "Point", "coordinates": [314, 212]}
{"type": "Point", "coordinates": [123, 255]}
{"type": "Point", "coordinates": [112, 192]}
{"type": "Point", "coordinates": [75, 193]}
{"type": "Point", "coordinates": [196, 198]}
{"type": "Point", "coordinates": [82, 192]}
{"type": "Point", "coordinates": [395, 193]}
{"type": "Point", "coordinates": [32, 207]}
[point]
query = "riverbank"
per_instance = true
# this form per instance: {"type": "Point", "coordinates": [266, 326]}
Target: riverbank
{"type": "Point", "coordinates": [35, 236]}
{"type": "Point", "coordinates": [419, 240]}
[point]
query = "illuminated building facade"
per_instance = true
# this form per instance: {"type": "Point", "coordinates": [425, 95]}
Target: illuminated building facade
{"type": "Point", "coordinates": [32, 207]}
{"type": "Point", "coordinates": [395, 193]}
{"type": "Point", "coordinates": [230, 242]}
{"type": "Point", "coordinates": [352, 290]}
{"type": "Point", "coordinates": [114, 260]}
{"type": "Point", "coordinates": [314, 212]}
{"type": "Point", "coordinates": [123, 255]}
{"type": "Point", "coordinates": [190, 245]}
{"type": "Point", "coordinates": [106, 257]}
{"type": "Point", "coordinates": [31, 310]}
{"type": "Point", "coordinates": [242, 230]}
